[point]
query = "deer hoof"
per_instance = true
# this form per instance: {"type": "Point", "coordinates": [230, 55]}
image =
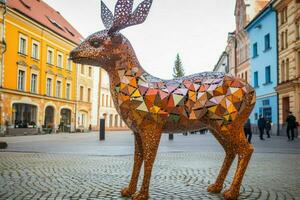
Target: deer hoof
{"type": "Point", "coordinates": [126, 192]}
{"type": "Point", "coordinates": [230, 194]}
{"type": "Point", "coordinates": [139, 196]}
{"type": "Point", "coordinates": [214, 188]}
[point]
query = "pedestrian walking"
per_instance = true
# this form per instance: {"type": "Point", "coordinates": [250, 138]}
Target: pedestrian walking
{"type": "Point", "coordinates": [268, 128]}
{"type": "Point", "coordinates": [261, 123]}
{"type": "Point", "coordinates": [291, 125]}
{"type": "Point", "coordinates": [248, 131]}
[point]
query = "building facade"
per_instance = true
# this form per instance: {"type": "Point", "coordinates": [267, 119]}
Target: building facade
{"type": "Point", "coordinates": [39, 83]}
{"type": "Point", "coordinates": [288, 14]}
{"type": "Point", "coordinates": [222, 65]}
{"type": "Point", "coordinates": [106, 109]}
{"type": "Point", "coordinates": [262, 32]}
{"type": "Point", "coordinates": [238, 41]}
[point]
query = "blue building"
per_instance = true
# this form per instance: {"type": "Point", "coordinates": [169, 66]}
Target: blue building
{"type": "Point", "coordinates": [262, 32]}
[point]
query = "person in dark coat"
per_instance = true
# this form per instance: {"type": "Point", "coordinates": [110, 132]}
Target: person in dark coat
{"type": "Point", "coordinates": [291, 125]}
{"type": "Point", "coordinates": [268, 128]}
{"type": "Point", "coordinates": [248, 131]}
{"type": "Point", "coordinates": [261, 123]}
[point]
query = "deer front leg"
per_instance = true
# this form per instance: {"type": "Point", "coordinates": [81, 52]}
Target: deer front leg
{"type": "Point", "coordinates": [151, 139]}
{"type": "Point", "coordinates": [138, 161]}
{"type": "Point", "coordinates": [218, 185]}
{"type": "Point", "coordinates": [245, 151]}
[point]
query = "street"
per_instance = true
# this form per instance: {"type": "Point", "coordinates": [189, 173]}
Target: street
{"type": "Point", "coordinates": [78, 166]}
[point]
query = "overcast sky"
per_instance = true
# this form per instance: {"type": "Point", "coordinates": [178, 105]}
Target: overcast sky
{"type": "Point", "coordinates": [196, 29]}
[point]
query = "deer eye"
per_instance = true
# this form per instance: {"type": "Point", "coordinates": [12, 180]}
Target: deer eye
{"type": "Point", "coordinates": [96, 43]}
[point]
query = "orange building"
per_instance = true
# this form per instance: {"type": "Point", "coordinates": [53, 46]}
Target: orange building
{"type": "Point", "coordinates": [39, 83]}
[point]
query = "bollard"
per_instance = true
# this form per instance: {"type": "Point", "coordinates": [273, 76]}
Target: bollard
{"type": "Point", "coordinates": [102, 130]}
{"type": "Point", "coordinates": [171, 136]}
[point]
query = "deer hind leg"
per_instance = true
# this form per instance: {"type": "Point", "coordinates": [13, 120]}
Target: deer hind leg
{"type": "Point", "coordinates": [138, 161]}
{"type": "Point", "coordinates": [244, 151]}
{"type": "Point", "coordinates": [151, 139]}
{"type": "Point", "coordinates": [229, 157]}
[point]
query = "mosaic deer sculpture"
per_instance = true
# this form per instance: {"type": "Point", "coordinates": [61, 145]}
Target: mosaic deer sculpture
{"type": "Point", "coordinates": [151, 106]}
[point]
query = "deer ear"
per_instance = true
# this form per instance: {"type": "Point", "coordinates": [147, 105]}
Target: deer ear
{"type": "Point", "coordinates": [106, 16]}
{"type": "Point", "coordinates": [140, 14]}
{"type": "Point", "coordinates": [123, 10]}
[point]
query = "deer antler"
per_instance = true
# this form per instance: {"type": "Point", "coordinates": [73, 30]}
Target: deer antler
{"type": "Point", "coordinates": [123, 16]}
{"type": "Point", "coordinates": [106, 16]}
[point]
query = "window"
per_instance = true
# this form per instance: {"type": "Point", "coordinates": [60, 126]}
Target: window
{"type": "Point", "coordinates": [283, 71]}
{"type": "Point", "coordinates": [286, 39]}
{"type": "Point", "coordinates": [287, 70]}
{"type": "Point", "coordinates": [255, 54]}
{"type": "Point", "coordinates": [106, 102]}
{"type": "Point", "coordinates": [285, 14]}
{"type": "Point", "coordinates": [33, 85]}
{"type": "Point", "coordinates": [267, 42]}
{"type": "Point", "coordinates": [49, 87]}
{"type": "Point", "coordinates": [59, 60]}
{"type": "Point", "coordinates": [255, 79]}
{"type": "Point", "coordinates": [297, 28]}
{"type": "Point", "coordinates": [246, 76]}
{"type": "Point", "coordinates": [102, 100]}
{"type": "Point", "coordinates": [89, 94]}
{"type": "Point", "coordinates": [68, 91]}
{"type": "Point", "coordinates": [266, 102]}
{"type": "Point", "coordinates": [268, 74]}
{"type": "Point", "coordinates": [81, 93]}
{"type": "Point", "coordinates": [282, 40]}
{"type": "Point", "coordinates": [267, 113]}
{"type": "Point", "coordinates": [69, 65]}
{"type": "Point", "coordinates": [35, 50]}
{"type": "Point", "coordinates": [21, 80]}
{"type": "Point", "coordinates": [58, 89]}
{"type": "Point", "coordinates": [23, 44]}
{"type": "Point", "coordinates": [82, 69]}
{"type": "Point", "coordinates": [90, 71]}
{"type": "Point", "coordinates": [50, 56]}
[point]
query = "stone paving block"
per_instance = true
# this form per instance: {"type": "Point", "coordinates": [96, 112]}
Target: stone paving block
{"type": "Point", "coordinates": [175, 176]}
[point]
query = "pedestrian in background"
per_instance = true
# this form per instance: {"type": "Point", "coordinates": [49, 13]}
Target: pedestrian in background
{"type": "Point", "coordinates": [268, 128]}
{"type": "Point", "coordinates": [261, 123]}
{"type": "Point", "coordinates": [248, 131]}
{"type": "Point", "coordinates": [291, 125]}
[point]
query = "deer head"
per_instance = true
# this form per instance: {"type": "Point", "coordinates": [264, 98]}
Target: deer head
{"type": "Point", "coordinates": [104, 47]}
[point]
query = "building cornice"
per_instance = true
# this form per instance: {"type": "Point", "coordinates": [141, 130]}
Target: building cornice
{"type": "Point", "coordinates": [28, 94]}
{"type": "Point", "coordinates": [280, 4]}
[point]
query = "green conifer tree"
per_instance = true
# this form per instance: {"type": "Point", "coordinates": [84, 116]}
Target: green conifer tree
{"type": "Point", "coordinates": [178, 70]}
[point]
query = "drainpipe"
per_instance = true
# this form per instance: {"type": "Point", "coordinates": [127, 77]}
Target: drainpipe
{"type": "Point", "coordinates": [277, 60]}
{"type": "Point", "coordinates": [4, 44]}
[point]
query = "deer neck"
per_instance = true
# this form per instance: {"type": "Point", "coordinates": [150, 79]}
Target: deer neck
{"type": "Point", "coordinates": [123, 69]}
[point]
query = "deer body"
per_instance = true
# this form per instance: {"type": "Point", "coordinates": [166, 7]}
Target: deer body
{"type": "Point", "coordinates": [151, 106]}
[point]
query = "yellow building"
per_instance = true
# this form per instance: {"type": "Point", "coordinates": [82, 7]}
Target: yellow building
{"type": "Point", "coordinates": [39, 86]}
{"type": "Point", "coordinates": [289, 58]}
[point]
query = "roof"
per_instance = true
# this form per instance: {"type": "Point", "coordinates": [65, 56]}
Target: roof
{"type": "Point", "coordinates": [45, 15]}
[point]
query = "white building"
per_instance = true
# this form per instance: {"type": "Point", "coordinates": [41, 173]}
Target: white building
{"type": "Point", "coordinates": [103, 106]}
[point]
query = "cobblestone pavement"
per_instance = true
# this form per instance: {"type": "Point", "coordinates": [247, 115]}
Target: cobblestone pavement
{"type": "Point", "coordinates": [182, 175]}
